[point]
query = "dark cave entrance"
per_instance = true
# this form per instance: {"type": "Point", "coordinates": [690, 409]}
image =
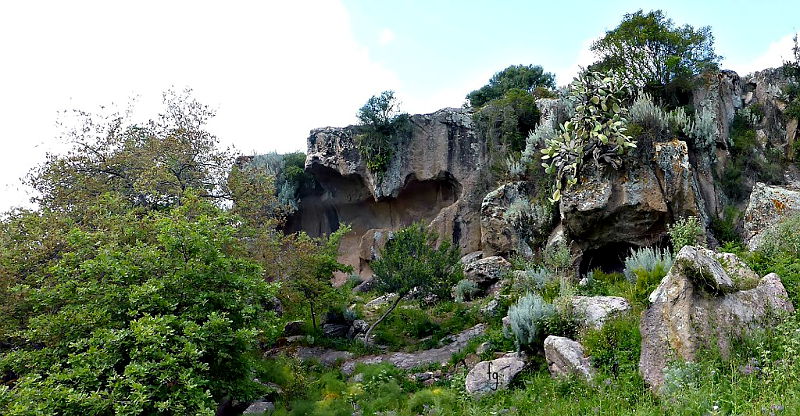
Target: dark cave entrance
{"type": "Point", "coordinates": [610, 258]}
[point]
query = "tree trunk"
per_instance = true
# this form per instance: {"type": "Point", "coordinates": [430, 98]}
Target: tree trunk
{"type": "Point", "coordinates": [313, 317]}
{"type": "Point", "coordinates": [388, 311]}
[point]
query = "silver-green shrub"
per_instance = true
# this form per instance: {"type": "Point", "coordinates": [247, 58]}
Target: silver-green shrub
{"type": "Point", "coordinates": [533, 280]}
{"type": "Point", "coordinates": [646, 259]}
{"type": "Point", "coordinates": [527, 318]}
{"type": "Point", "coordinates": [465, 290]}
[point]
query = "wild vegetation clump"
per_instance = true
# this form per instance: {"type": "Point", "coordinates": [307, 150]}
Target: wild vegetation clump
{"type": "Point", "coordinates": [686, 232]}
{"type": "Point", "coordinates": [596, 132]}
{"type": "Point", "coordinates": [382, 127]}
{"type": "Point", "coordinates": [527, 78]}
{"type": "Point", "coordinates": [527, 319]}
{"type": "Point", "coordinates": [791, 92]}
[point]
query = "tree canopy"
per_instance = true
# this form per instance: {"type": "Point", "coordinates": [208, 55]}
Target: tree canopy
{"type": "Point", "coordinates": [524, 77]}
{"type": "Point", "coordinates": [649, 49]}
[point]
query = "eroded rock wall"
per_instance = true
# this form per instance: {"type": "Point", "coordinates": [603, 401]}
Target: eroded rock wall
{"type": "Point", "coordinates": [437, 176]}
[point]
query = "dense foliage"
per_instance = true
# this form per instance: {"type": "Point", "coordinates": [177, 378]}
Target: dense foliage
{"type": "Point", "coordinates": [382, 126]}
{"type": "Point", "coordinates": [410, 261]}
{"type": "Point", "coordinates": [791, 69]}
{"type": "Point", "coordinates": [648, 49]}
{"type": "Point", "coordinates": [597, 130]}
{"type": "Point", "coordinates": [522, 77]}
{"type": "Point", "coordinates": [507, 120]}
{"type": "Point", "coordinates": [133, 312]}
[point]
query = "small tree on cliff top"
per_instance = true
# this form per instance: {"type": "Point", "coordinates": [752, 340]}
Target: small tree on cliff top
{"type": "Point", "coordinates": [411, 260]}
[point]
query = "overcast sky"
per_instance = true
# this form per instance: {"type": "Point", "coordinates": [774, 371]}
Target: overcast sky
{"type": "Point", "coordinates": [276, 69]}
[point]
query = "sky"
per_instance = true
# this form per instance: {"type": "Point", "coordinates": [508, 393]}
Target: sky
{"type": "Point", "coordinates": [274, 70]}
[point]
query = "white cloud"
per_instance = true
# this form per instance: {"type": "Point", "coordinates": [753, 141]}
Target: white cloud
{"type": "Point", "coordinates": [774, 56]}
{"type": "Point", "coordinates": [273, 70]}
{"type": "Point", "coordinates": [583, 58]}
{"type": "Point", "coordinates": [386, 37]}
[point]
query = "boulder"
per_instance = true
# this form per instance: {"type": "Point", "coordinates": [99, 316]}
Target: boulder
{"type": "Point", "coordinates": [486, 271]}
{"type": "Point", "coordinates": [510, 222]}
{"type": "Point", "coordinates": [767, 206]}
{"type": "Point", "coordinates": [594, 311]}
{"type": "Point", "coordinates": [358, 327]}
{"type": "Point", "coordinates": [471, 257]}
{"type": "Point", "coordinates": [566, 357]}
{"type": "Point", "coordinates": [293, 328]}
{"type": "Point", "coordinates": [497, 374]}
{"type": "Point", "coordinates": [325, 356]}
{"type": "Point", "coordinates": [335, 330]}
{"type": "Point", "coordinates": [696, 306]}
{"type": "Point", "coordinates": [259, 407]}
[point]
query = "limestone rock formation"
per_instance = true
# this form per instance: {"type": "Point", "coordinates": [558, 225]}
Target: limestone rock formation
{"type": "Point", "coordinates": [697, 306]}
{"type": "Point", "coordinates": [594, 311]}
{"type": "Point", "coordinates": [437, 176]}
{"type": "Point", "coordinates": [768, 204]}
{"type": "Point", "coordinates": [566, 357]}
{"type": "Point", "coordinates": [497, 374]}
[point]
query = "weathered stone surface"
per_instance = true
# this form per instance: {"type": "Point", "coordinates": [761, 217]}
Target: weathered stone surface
{"type": "Point", "coordinates": [325, 356]}
{"type": "Point", "coordinates": [497, 374]}
{"type": "Point", "coordinates": [499, 235]}
{"type": "Point", "coordinates": [594, 311]}
{"type": "Point", "coordinates": [259, 407]}
{"type": "Point", "coordinates": [471, 257]}
{"type": "Point", "coordinates": [768, 204]}
{"type": "Point", "coordinates": [358, 327]}
{"type": "Point", "coordinates": [407, 361]}
{"type": "Point", "coordinates": [380, 301]}
{"type": "Point", "coordinates": [701, 265]}
{"type": "Point", "coordinates": [566, 357]}
{"type": "Point", "coordinates": [686, 314]}
{"type": "Point", "coordinates": [486, 271]}
{"type": "Point", "coordinates": [438, 175]}
{"type": "Point", "coordinates": [293, 328]}
{"type": "Point", "coordinates": [632, 205]}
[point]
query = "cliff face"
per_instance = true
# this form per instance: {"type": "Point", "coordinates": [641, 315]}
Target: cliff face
{"type": "Point", "coordinates": [440, 175]}
{"type": "Point", "coordinates": [437, 176]}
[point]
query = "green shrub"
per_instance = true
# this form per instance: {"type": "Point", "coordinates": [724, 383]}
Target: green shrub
{"type": "Point", "coordinates": [527, 78]}
{"type": "Point", "coordinates": [615, 347]}
{"type": "Point", "coordinates": [528, 317]}
{"type": "Point", "coordinates": [533, 280]}
{"type": "Point", "coordinates": [724, 228]}
{"type": "Point", "coordinates": [506, 121]}
{"type": "Point", "coordinates": [686, 232]}
{"type": "Point", "coordinates": [557, 257]}
{"type": "Point", "coordinates": [382, 126]}
{"type": "Point", "coordinates": [646, 259]}
{"type": "Point", "coordinates": [465, 290]}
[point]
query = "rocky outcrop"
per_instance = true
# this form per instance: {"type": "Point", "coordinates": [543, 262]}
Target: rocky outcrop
{"type": "Point", "coordinates": [698, 305]}
{"type": "Point", "coordinates": [566, 357]}
{"type": "Point", "coordinates": [407, 361]}
{"type": "Point", "coordinates": [497, 374]}
{"type": "Point", "coordinates": [511, 222]}
{"type": "Point", "coordinates": [632, 205]}
{"type": "Point", "coordinates": [486, 271]}
{"type": "Point", "coordinates": [594, 311]}
{"type": "Point", "coordinates": [437, 175]}
{"type": "Point", "coordinates": [768, 204]}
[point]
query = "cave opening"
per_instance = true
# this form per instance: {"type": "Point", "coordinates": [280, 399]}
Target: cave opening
{"type": "Point", "coordinates": [609, 258]}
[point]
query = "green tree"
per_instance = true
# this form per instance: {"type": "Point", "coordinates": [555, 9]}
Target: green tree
{"type": "Point", "coordinates": [312, 268]}
{"type": "Point", "coordinates": [131, 312]}
{"type": "Point", "coordinates": [151, 164]}
{"type": "Point", "coordinates": [524, 77]}
{"type": "Point", "coordinates": [508, 120]}
{"type": "Point", "coordinates": [412, 261]}
{"type": "Point", "coordinates": [382, 125]}
{"type": "Point", "coordinates": [648, 49]}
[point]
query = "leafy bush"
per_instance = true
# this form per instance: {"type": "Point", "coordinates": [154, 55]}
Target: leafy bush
{"type": "Point", "coordinates": [597, 130]}
{"type": "Point", "coordinates": [508, 119]}
{"type": "Point", "coordinates": [615, 347]}
{"type": "Point", "coordinates": [533, 280]}
{"type": "Point", "coordinates": [411, 260]}
{"type": "Point", "coordinates": [382, 126]}
{"type": "Point", "coordinates": [686, 232]}
{"type": "Point", "coordinates": [139, 313]}
{"type": "Point", "coordinates": [528, 317]}
{"type": "Point", "coordinates": [646, 259]}
{"type": "Point", "coordinates": [557, 257]}
{"type": "Point", "coordinates": [791, 92]}
{"type": "Point", "coordinates": [724, 228]}
{"type": "Point", "coordinates": [290, 177]}
{"type": "Point", "coordinates": [528, 78]}
{"type": "Point", "coordinates": [465, 290]}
